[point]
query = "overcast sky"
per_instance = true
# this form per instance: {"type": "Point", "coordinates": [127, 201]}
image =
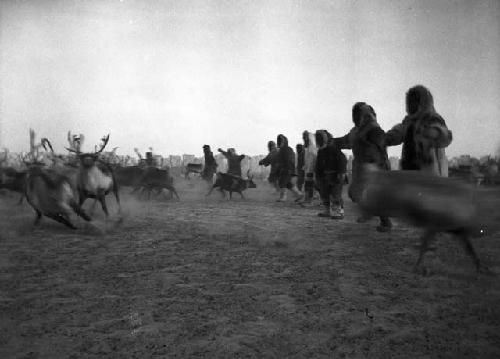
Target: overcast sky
{"type": "Point", "coordinates": [176, 75]}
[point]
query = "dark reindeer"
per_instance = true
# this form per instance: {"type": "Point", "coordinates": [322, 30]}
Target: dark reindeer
{"type": "Point", "coordinates": [95, 178]}
{"type": "Point", "coordinates": [232, 183]}
{"type": "Point", "coordinates": [50, 192]}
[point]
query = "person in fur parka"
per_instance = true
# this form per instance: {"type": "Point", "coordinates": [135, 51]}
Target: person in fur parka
{"type": "Point", "coordinates": [310, 153]}
{"type": "Point", "coordinates": [210, 166]}
{"type": "Point", "coordinates": [270, 160]}
{"type": "Point", "coordinates": [233, 161]}
{"type": "Point", "coordinates": [367, 141]}
{"type": "Point", "coordinates": [330, 173]}
{"type": "Point", "coordinates": [285, 163]}
{"type": "Point", "coordinates": [299, 148]}
{"type": "Point", "coordinates": [423, 133]}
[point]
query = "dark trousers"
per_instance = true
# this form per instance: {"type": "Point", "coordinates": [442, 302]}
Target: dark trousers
{"type": "Point", "coordinates": [330, 187]}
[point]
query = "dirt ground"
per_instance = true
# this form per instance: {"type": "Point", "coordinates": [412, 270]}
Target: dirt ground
{"type": "Point", "coordinates": [208, 277]}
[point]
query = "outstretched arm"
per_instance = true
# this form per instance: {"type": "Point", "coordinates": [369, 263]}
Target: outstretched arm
{"type": "Point", "coordinates": [223, 152]}
{"type": "Point", "coordinates": [345, 142]}
{"type": "Point", "coordinates": [396, 135]}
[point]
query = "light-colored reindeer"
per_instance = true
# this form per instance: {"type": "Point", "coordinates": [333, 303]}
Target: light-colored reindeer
{"type": "Point", "coordinates": [95, 178]}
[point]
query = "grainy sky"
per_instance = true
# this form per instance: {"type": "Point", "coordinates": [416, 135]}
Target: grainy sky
{"type": "Point", "coordinates": [175, 75]}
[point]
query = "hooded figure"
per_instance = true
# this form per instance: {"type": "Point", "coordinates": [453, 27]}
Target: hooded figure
{"type": "Point", "coordinates": [367, 141]}
{"type": "Point", "coordinates": [233, 161]}
{"type": "Point", "coordinates": [310, 153]}
{"type": "Point", "coordinates": [210, 164]}
{"type": "Point", "coordinates": [423, 133]}
{"type": "Point", "coordinates": [287, 178]}
{"type": "Point", "coordinates": [270, 160]}
{"type": "Point", "coordinates": [300, 165]}
{"type": "Point", "coordinates": [331, 166]}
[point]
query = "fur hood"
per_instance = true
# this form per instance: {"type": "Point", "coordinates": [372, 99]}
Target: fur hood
{"type": "Point", "coordinates": [419, 99]}
{"type": "Point", "coordinates": [421, 150]}
{"type": "Point", "coordinates": [367, 120]}
{"type": "Point", "coordinates": [323, 138]}
{"type": "Point", "coordinates": [282, 141]}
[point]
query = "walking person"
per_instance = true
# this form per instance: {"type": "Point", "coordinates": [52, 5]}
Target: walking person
{"type": "Point", "coordinates": [331, 166]}
{"type": "Point", "coordinates": [367, 141]}
{"type": "Point", "coordinates": [310, 153]}
{"type": "Point", "coordinates": [423, 133]}
{"type": "Point", "coordinates": [270, 160]}
{"type": "Point", "coordinates": [287, 178]}
{"type": "Point", "coordinates": [210, 167]}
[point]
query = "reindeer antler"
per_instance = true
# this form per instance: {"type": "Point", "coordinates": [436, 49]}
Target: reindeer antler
{"type": "Point", "coordinates": [136, 150]}
{"type": "Point", "coordinates": [46, 143]}
{"type": "Point", "coordinates": [104, 140]}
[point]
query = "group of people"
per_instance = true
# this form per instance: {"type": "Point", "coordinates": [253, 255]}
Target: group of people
{"type": "Point", "coordinates": [321, 164]}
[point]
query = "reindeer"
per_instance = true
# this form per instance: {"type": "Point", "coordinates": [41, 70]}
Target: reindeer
{"type": "Point", "coordinates": [50, 193]}
{"type": "Point", "coordinates": [95, 178]}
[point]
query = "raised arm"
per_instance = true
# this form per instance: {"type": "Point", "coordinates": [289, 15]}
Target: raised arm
{"type": "Point", "coordinates": [226, 154]}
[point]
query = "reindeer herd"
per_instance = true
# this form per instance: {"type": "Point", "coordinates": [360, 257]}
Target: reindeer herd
{"type": "Point", "coordinates": [60, 187]}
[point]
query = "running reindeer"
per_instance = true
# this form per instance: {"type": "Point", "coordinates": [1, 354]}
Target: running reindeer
{"type": "Point", "coordinates": [95, 178]}
{"type": "Point", "coordinates": [50, 192]}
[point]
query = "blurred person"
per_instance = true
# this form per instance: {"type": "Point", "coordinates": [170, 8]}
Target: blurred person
{"type": "Point", "coordinates": [367, 142]}
{"type": "Point", "coordinates": [210, 167]}
{"type": "Point", "coordinates": [270, 160]}
{"type": "Point", "coordinates": [287, 178]}
{"type": "Point", "coordinates": [330, 172]}
{"type": "Point", "coordinates": [233, 161]}
{"type": "Point", "coordinates": [310, 152]}
{"type": "Point", "coordinates": [300, 165]}
{"type": "Point", "coordinates": [423, 133]}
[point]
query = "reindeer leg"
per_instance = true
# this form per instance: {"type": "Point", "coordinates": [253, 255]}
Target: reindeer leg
{"type": "Point", "coordinates": [469, 248]}
{"type": "Point", "coordinates": [61, 219]}
{"type": "Point", "coordinates": [427, 237]}
{"type": "Point", "coordinates": [79, 211]}
{"type": "Point", "coordinates": [102, 199]}
{"type": "Point", "coordinates": [241, 194]}
{"type": "Point", "coordinates": [38, 217]}
{"type": "Point", "coordinates": [173, 192]}
{"type": "Point", "coordinates": [210, 192]}
{"type": "Point", "coordinates": [230, 194]}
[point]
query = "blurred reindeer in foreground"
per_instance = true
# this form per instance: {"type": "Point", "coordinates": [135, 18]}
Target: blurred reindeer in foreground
{"type": "Point", "coordinates": [436, 204]}
{"type": "Point", "coordinates": [50, 192]}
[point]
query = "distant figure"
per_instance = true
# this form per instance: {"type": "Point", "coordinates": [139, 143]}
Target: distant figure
{"type": "Point", "coordinates": [270, 160]}
{"type": "Point", "coordinates": [233, 161]}
{"type": "Point", "coordinates": [300, 165]}
{"type": "Point", "coordinates": [210, 165]}
{"type": "Point", "coordinates": [310, 153]}
{"type": "Point", "coordinates": [287, 178]}
{"type": "Point", "coordinates": [423, 133]}
{"type": "Point", "coordinates": [367, 141]}
{"type": "Point", "coordinates": [331, 166]}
